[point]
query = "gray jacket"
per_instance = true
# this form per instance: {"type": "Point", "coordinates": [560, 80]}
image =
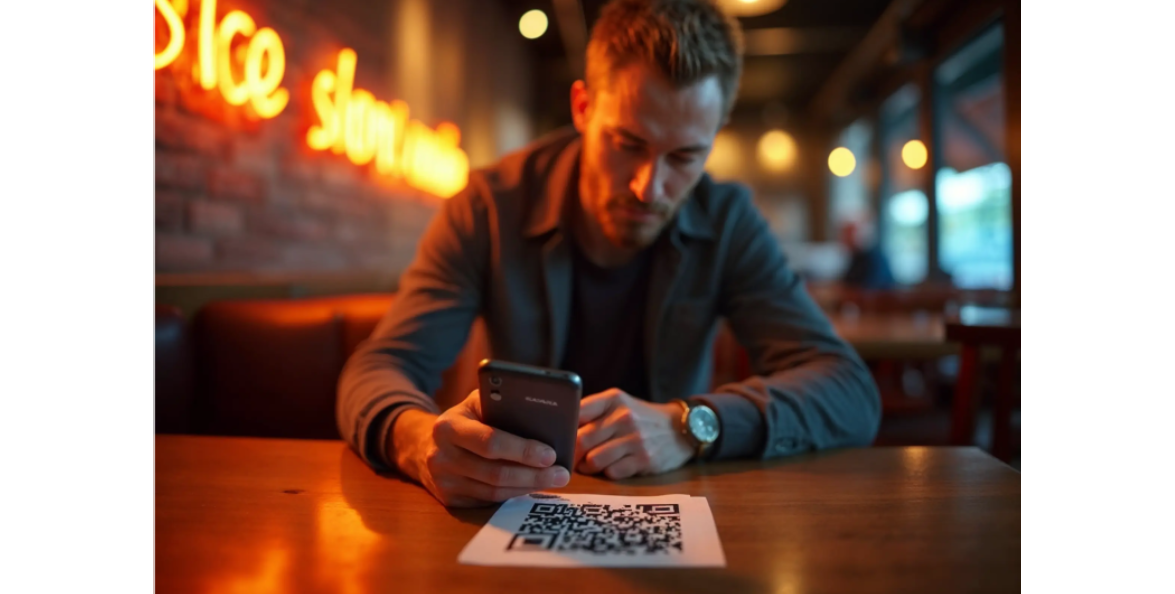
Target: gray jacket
{"type": "Point", "coordinates": [499, 249]}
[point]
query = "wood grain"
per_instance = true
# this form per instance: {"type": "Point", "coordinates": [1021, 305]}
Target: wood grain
{"type": "Point", "coordinates": [270, 515]}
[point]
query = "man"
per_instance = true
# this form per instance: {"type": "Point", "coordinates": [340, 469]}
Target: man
{"type": "Point", "coordinates": [868, 267]}
{"type": "Point", "coordinates": [607, 251]}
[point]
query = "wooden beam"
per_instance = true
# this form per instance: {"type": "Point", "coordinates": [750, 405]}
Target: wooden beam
{"type": "Point", "coordinates": [1012, 119]}
{"type": "Point", "coordinates": [928, 111]}
{"type": "Point", "coordinates": [950, 25]}
{"type": "Point", "coordinates": [783, 41]}
{"type": "Point", "coordinates": [815, 181]}
{"type": "Point", "coordinates": [573, 31]}
{"type": "Point", "coordinates": [830, 99]}
{"type": "Point", "coordinates": [877, 178]}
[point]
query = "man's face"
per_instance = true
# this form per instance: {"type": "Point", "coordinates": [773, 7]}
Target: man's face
{"type": "Point", "coordinates": [645, 143]}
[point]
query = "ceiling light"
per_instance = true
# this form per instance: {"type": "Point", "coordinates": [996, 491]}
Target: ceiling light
{"type": "Point", "coordinates": [841, 161]}
{"type": "Point", "coordinates": [914, 154]}
{"type": "Point", "coordinates": [750, 8]}
{"type": "Point", "coordinates": [777, 151]}
{"type": "Point", "coordinates": [533, 24]}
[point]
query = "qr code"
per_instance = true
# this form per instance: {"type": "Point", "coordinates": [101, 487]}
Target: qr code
{"type": "Point", "coordinates": [640, 529]}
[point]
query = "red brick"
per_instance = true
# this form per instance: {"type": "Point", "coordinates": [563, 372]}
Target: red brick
{"type": "Point", "coordinates": [181, 253]}
{"type": "Point", "coordinates": [183, 132]}
{"type": "Point", "coordinates": [285, 225]}
{"type": "Point", "coordinates": [314, 257]}
{"type": "Point", "coordinates": [338, 202]}
{"type": "Point", "coordinates": [392, 193]}
{"type": "Point", "coordinates": [293, 166]}
{"type": "Point", "coordinates": [405, 243]}
{"type": "Point", "coordinates": [375, 225]}
{"type": "Point", "coordinates": [339, 173]}
{"type": "Point", "coordinates": [209, 104]}
{"type": "Point", "coordinates": [410, 216]}
{"type": "Point", "coordinates": [169, 210]}
{"type": "Point", "coordinates": [165, 91]}
{"type": "Point", "coordinates": [228, 184]}
{"type": "Point", "coordinates": [247, 253]}
{"type": "Point", "coordinates": [215, 218]}
{"type": "Point", "coordinates": [255, 155]}
{"type": "Point", "coordinates": [287, 195]}
{"type": "Point", "coordinates": [376, 261]}
{"type": "Point", "coordinates": [179, 170]}
{"type": "Point", "coordinates": [350, 232]}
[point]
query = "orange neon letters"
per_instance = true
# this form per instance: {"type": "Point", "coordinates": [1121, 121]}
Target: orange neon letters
{"type": "Point", "coordinates": [175, 32]}
{"type": "Point", "coordinates": [257, 81]}
{"type": "Point", "coordinates": [353, 122]}
{"type": "Point", "coordinates": [350, 121]}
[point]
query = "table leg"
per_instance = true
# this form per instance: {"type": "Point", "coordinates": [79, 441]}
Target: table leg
{"type": "Point", "coordinates": [1001, 422]}
{"type": "Point", "coordinates": [963, 407]}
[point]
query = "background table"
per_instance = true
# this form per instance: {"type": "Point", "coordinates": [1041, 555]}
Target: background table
{"type": "Point", "coordinates": [894, 335]}
{"type": "Point", "coordinates": [268, 515]}
{"type": "Point", "coordinates": [976, 328]}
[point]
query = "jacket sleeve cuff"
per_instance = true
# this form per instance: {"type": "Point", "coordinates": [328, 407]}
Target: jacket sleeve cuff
{"type": "Point", "coordinates": [372, 437]}
{"type": "Point", "coordinates": [742, 427]}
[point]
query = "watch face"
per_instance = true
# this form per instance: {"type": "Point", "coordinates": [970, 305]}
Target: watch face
{"type": "Point", "coordinates": [703, 424]}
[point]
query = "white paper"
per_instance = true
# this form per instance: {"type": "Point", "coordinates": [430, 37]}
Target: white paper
{"type": "Point", "coordinates": [575, 530]}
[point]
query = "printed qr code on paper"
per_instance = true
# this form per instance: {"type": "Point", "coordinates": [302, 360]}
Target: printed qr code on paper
{"type": "Point", "coordinates": [639, 529]}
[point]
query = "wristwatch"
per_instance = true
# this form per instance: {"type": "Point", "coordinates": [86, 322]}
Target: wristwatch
{"type": "Point", "coordinates": [699, 424]}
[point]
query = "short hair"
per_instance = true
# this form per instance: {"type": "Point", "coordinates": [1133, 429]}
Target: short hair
{"type": "Point", "coordinates": [685, 40]}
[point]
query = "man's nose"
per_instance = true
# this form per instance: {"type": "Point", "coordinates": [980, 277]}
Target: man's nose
{"type": "Point", "coordinates": [648, 185]}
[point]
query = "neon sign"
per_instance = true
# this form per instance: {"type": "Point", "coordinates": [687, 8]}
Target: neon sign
{"type": "Point", "coordinates": [263, 66]}
{"type": "Point", "coordinates": [351, 120]}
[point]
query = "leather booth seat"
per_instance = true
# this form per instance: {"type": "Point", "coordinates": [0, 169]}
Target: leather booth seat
{"type": "Point", "coordinates": [174, 376]}
{"type": "Point", "coordinates": [270, 367]}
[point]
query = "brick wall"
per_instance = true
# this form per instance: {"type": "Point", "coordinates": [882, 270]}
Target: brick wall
{"type": "Point", "coordinates": [235, 195]}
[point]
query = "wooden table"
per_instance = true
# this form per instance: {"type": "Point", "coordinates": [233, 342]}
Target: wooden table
{"type": "Point", "coordinates": [894, 335]}
{"type": "Point", "coordinates": [268, 515]}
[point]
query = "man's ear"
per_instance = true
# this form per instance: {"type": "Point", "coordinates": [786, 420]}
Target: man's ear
{"type": "Point", "coordinates": [580, 104]}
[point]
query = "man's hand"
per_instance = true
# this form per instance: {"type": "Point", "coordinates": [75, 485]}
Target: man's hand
{"type": "Point", "coordinates": [623, 436]}
{"type": "Point", "coordinates": [466, 463]}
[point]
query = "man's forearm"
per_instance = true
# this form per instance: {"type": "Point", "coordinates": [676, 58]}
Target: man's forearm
{"type": "Point", "coordinates": [827, 402]}
{"type": "Point", "coordinates": [406, 439]}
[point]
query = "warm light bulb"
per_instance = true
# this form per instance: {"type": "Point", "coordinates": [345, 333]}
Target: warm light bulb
{"type": "Point", "coordinates": [777, 150]}
{"type": "Point", "coordinates": [841, 161]}
{"type": "Point", "coordinates": [914, 154]}
{"type": "Point", "coordinates": [533, 24]}
{"type": "Point", "coordinates": [750, 8]}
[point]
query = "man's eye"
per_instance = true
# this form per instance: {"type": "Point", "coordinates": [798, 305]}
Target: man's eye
{"type": "Point", "coordinates": [682, 159]}
{"type": "Point", "coordinates": [630, 147]}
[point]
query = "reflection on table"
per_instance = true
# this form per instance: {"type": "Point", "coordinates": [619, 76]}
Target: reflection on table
{"type": "Point", "coordinates": [270, 515]}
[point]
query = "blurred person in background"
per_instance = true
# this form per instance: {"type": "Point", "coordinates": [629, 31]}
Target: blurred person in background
{"type": "Point", "coordinates": [868, 267]}
{"type": "Point", "coordinates": [606, 250]}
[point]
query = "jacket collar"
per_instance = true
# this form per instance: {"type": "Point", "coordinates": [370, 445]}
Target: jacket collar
{"type": "Point", "coordinates": [547, 213]}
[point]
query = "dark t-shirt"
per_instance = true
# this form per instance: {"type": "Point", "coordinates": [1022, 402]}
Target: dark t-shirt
{"type": "Point", "coordinates": [606, 337]}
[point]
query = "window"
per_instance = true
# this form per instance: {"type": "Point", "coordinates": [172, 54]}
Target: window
{"type": "Point", "coordinates": [973, 182]}
{"type": "Point", "coordinates": [904, 206]}
{"type": "Point", "coordinates": [850, 194]}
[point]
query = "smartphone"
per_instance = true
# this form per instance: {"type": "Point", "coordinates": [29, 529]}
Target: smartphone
{"type": "Point", "coordinates": [532, 402]}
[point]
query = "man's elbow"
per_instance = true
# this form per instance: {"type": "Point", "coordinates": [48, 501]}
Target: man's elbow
{"type": "Point", "coordinates": [852, 405]}
{"type": "Point", "coordinates": [866, 400]}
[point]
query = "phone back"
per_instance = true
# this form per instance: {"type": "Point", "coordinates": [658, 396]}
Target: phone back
{"type": "Point", "coordinates": [534, 403]}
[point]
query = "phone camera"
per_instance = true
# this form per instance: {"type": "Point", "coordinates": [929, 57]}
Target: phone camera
{"type": "Point", "coordinates": [495, 380]}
